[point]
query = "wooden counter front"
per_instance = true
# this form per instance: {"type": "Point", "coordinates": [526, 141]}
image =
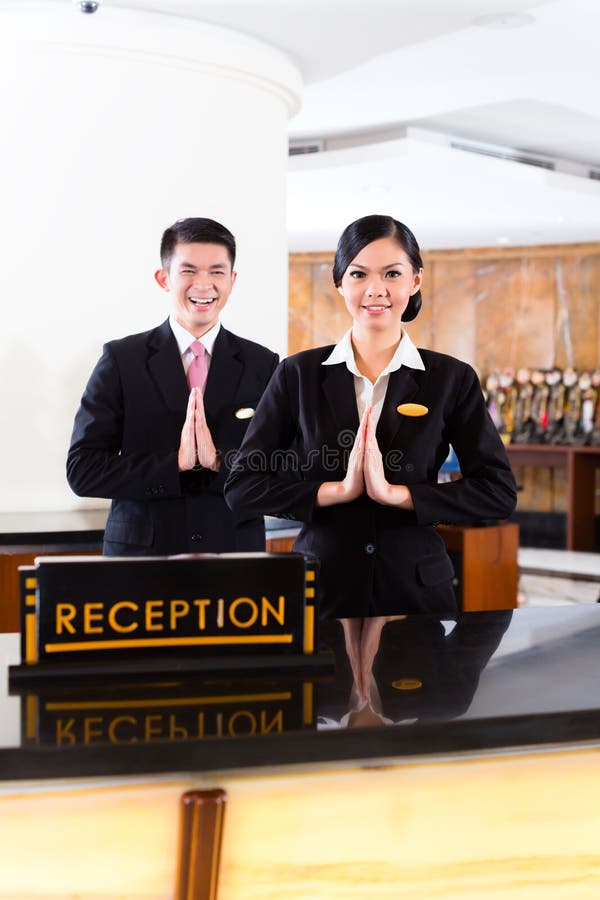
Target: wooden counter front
{"type": "Point", "coordinates": [524, 824]}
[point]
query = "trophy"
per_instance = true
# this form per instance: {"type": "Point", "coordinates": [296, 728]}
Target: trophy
{"type": "Point", "coordinates": [572, 414]}
{"type": "Point", "coordinates": [539, 406]}
{"type": "Point", "coordinates": [508, 396]}
{"type": "Point", "coordinates": [590, 407]}
{"type": "Point", "coordinates": [494, 400]}
{"type": "Point", "coordinates": [556, 406]}
{"type": "Point", "coordinates": [523, 426]}
{"type": "Point", "coordinates": [587, 408]}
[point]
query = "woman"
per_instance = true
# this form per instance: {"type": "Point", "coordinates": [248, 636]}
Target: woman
{"type": "Point", "coordinates": [349, 439]}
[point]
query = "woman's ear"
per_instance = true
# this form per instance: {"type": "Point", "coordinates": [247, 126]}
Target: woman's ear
{"type": "Point", "coordinates": [417, 282]}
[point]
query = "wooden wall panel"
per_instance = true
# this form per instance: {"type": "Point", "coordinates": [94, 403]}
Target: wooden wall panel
{"type": "Point", "coordinates": [447, 291]}
{"type": "Point", "coordinates": [496, 307]}
{"type": "Point", "coordinates": [531, 319]}
{"type": "Point", "coordinates": [497, 290]}
{"type": "Point", "coordinates": [577, 311]}
{"type": "Point", "coordinates": [331, 318]}
{"type": "Point", "coordinates": [594, 281]}
{"type": "Point", "coordinates": [301, 308]}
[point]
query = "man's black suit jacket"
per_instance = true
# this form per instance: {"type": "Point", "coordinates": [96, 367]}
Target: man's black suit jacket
{"type": "Point", "coordinates": [376, 560]}
{"type": "Point", "coordinates": [126, 438]}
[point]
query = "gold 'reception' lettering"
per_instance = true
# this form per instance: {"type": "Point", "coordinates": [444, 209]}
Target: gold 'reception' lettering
{"type": "Point", "coordinates": [116, 624]}
{"type": "Point", "coordinates": [278, 615]}
{"type": "Point", "coordinates": [179, 609]}
{"type": "Point", "coordinates": [120, 731]}
{"type": "Point", "coordinates": [65, 613]}
{"type": "Point", "coordinates": [154, 615]}
{"type": "Point", "coordinates": [65, 733]}
{"type": "Point", "coordinates": [92, 612]}
{"type": "Point", "coordinates": [252, 615]}
{"type": "Point", "coordinates": [171, 617]}
{"type": "Point", "coordinates": [135, 727]}
{"type": "Point", "coordinates": [201, 604]}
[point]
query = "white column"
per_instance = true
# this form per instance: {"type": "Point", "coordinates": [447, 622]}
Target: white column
{"type": "Point", "coordinates": [113, 126]}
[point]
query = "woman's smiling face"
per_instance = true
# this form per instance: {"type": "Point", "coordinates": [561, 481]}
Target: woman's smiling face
{"type": "Point", "coordinates": [378, 284]}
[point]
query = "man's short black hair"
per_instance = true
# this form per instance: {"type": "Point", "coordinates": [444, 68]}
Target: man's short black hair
{"type": "Point", "coordinates": [195, 231]}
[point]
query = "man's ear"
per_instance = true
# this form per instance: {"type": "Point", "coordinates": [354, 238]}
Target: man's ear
{"type": "Point", "coordinates": [161, 276]}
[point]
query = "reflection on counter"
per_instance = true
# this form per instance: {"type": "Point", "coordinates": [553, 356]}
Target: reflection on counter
{"type": "Point", "coordinates": [114, 713]}
{"type": "Point", "coordinates": [404, 669]}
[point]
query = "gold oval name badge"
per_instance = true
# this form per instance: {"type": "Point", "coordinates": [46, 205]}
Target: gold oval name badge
{"type": "Point", "coordinates": [407, 684]}
{"type": "Point", "coordinates": [244, 412]}
{"type": "Point", "coordinates": [412, 409]}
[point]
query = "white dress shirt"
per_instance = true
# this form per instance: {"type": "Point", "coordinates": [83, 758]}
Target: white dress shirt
{"type": "Point", "coordinates": [368, 394]}
{"type": "Point", "coordinates": [185, 340]}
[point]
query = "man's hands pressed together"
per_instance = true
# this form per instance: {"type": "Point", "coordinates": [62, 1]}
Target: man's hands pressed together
{"type": "Point", "coordinates": [197, 447]}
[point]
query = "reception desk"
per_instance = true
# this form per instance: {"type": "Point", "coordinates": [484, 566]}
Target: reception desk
{"type": "Point", "coordinates": [484, 558]}
{"type": "Point", "coordinates": [472, 771]}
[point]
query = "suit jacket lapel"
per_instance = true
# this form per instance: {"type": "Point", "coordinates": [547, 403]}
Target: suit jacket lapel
{"type": "Point", "coordinates": [224, 374]}
{"type": "Point", "coordinates": [166, 369]}
{"type": "Point", "coordinates": [402, 387]}
{"type": "Point", "coordinates": [338, 387]}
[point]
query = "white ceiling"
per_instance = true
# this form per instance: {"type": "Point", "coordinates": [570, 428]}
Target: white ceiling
{"type": "Point", "coordinates": [393, 82]}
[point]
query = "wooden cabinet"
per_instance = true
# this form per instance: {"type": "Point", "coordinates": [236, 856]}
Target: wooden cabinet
{"type": "Point", "coordinates": [581, 464]}
{"type": "Point", "coordinates": [11, 557]}
{"type": "Point", "coordinates": [486, 565]}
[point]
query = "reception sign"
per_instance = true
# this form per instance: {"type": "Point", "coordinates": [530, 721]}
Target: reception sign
{"type": "Point", "coordinates": [93, 608]}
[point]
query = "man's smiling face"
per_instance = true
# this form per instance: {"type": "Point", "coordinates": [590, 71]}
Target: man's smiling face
{"type": "Point", "coordinates": [200, 280]}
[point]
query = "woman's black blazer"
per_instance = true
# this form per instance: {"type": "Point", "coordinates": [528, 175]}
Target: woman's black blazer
{"type": "Point", "coordinates": [375, 559]}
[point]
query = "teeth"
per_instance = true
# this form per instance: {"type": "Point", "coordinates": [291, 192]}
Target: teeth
{"type": "Point", "coordinates": [202, 300]}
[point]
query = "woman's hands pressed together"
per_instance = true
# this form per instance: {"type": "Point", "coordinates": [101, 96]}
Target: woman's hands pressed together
{"type": "Point", "coordinates": [365, 473]}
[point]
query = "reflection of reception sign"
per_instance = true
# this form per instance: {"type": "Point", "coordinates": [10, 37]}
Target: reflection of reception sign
{"type": "Point", "coordinates": [188, 710]}
{"type": "Point", "coordinates": [188, 610]}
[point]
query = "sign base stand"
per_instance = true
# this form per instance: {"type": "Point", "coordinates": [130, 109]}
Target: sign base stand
{"type": "Point", "coordinates": [24, 675]}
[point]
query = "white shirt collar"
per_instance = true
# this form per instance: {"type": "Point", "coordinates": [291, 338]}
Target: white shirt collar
{"type": "Point", "coordinates": [406, 354]}
{"type": "Point", "coordinates": [184, 338]}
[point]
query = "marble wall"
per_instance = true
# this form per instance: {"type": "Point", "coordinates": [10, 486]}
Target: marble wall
{"type": "Point", "coordinates": [493, 307]}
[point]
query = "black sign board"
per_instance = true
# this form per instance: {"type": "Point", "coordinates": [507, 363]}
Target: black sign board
{"type": "Point", "coordinates": [206, 607]}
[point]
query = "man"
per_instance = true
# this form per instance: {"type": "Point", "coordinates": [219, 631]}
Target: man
{"type": "Point", "coordinates": [160, 449]}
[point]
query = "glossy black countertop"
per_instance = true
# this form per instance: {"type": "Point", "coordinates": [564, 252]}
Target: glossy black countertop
{"type": "Point", "coordinates": [412, 686]}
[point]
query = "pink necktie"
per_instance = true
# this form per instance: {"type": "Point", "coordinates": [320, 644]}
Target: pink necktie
{"type": "Point", "coordinates": [198, 370]}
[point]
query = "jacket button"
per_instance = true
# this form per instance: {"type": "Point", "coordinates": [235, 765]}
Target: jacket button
{"type": "Point", "coordinates": [370, 548]}
{"type": "Point", "coordinates": [196, 536]}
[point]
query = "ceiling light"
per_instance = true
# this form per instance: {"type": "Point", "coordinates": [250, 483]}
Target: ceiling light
{"type": "Point", "coordinates": [87, 6]}
{"type": "Point", "coordinates": [504, 20]}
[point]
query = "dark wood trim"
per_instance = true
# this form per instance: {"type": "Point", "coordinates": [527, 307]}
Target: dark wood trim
{"type": "Point", "coordinates": [200, 837]}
